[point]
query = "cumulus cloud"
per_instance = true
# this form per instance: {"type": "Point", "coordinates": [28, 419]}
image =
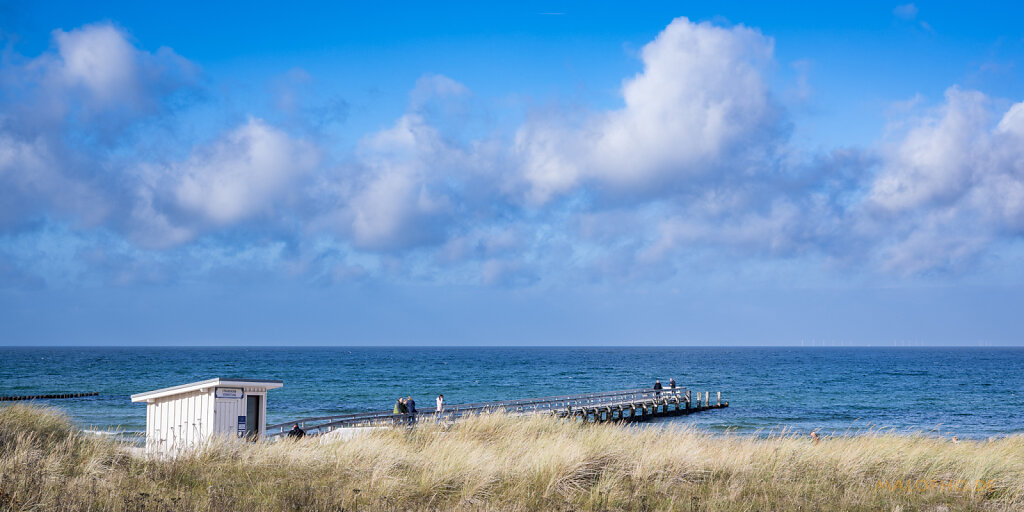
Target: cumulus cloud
{"type": "Point", "coordinates": [698, 119]}
{"type": "Point", "coordinates": [101, 61]}
{"type": "Point", "coordinates": [400, 201]}
{"type": "Point", "coordinates": [60, 152]}
{"type": "Point", "coordinates": [60, 113]}
{"type": "Point", "coordinates": [409, 181]}
{"type": "Point", "coordinates": [700, 152]}
{"type": "Point", "coordinates": [951, 186]}
{"type": "Point", "coordinates": [243, 174]}
{"type": "Point", "coordinates": [696, 161]}
{"type": "Point", "coordinates": [700, 106]}
{"type": "Point", "coordinates": [97, 76]}
{"type": "Point", "coordinates": [936, 160]}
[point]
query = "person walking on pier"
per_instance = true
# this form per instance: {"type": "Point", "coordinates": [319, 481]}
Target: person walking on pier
{"type": "Point", "coordinates": [400, 406]}
{"type": "Point", "coordinates": [440, 404]}
{"type": "Point", "coordinates": [657, 388]}
{"type": "Point", "coordinates": [672, 383]}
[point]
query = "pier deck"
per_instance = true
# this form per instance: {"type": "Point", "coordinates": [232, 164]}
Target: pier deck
{"type": "Point", "coordinates": [624, 405]}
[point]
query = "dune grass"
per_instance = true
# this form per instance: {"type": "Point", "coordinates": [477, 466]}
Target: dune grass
{"type": "Point", "coordinates": [502, 463]}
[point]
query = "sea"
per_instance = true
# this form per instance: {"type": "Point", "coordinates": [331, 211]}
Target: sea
{"type": "Point", "coordinates": [966, 392]}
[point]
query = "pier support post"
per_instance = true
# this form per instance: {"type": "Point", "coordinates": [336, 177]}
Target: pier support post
{"type": "Point", "coordinates": [688, 399]}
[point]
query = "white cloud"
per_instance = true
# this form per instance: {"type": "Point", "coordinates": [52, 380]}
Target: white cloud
{"type": "Point", "coordinates": [411, 179]}
{"type": "Point", "coordinates": [242, 174]}
{"type": "Point", "coordinates": [245, 173]}
{"type": "Point", "coordinates": [99, 58]}
{"type": "Point", "coordinates": [401, 198]}
{"type": "Point", "coordinates": [696, 161]}
{"type": "Point", "coordinates": [101, 62]}
{"type": "Point", "coordinates": [701, 105]}
{"type": "Point", "coordinates": [61, 113]}
{"type": "Point", "coordinates": [1012, 122]}
{"type": "Point", "coordinates": [936, 160]}
{"type": "Point", "coordinates": [951, 187]}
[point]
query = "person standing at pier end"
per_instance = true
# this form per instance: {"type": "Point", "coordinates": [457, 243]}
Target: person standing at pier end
{"type": "Point", "coordinates": [440, 404]}
{"type": "Point", "coordinates": [657, 388]}
{"type": "Point", "coordinates": [410, 405]}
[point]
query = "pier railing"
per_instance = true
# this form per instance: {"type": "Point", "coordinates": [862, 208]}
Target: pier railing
{"type": "Point", "coordinates": [563, 405]}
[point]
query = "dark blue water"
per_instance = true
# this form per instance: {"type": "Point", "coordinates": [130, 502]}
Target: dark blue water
{"type": "Point", "coordinates": [970, 392]}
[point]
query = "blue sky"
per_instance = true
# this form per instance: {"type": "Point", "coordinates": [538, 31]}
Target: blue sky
{"type": "Point", "coordinates": [531, 173]}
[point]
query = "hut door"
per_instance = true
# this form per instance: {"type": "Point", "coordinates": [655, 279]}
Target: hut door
{"type": "Point", "coordinates": [252, 417]}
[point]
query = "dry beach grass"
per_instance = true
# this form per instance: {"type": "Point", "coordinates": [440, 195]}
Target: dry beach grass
{"type": "Point", "coordinates": [502, 463]}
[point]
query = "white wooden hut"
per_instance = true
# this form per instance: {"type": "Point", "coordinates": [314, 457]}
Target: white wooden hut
{"type": "Point", "coordinates": [180, 417]}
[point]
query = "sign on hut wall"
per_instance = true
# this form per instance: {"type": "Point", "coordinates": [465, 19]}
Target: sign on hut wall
{"type": "Point", "coordinates": [230, 392]}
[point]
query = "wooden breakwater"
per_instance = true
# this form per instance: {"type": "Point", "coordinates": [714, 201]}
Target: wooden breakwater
{"type": "Point", "coordinates": [624, 405]}
{"type": "Point", "coordinates": [46, 397]}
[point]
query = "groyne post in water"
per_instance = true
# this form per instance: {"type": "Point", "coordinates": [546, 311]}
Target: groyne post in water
{"type": "Point", "coordinates": [46, 397]}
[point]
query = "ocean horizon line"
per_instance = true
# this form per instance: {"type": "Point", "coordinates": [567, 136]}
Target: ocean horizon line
{"type": "Point", "coordinates": [456, 346]}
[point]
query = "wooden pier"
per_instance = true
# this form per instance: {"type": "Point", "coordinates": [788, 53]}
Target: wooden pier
{"type": "Point", "coordinates": [624, 405]}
